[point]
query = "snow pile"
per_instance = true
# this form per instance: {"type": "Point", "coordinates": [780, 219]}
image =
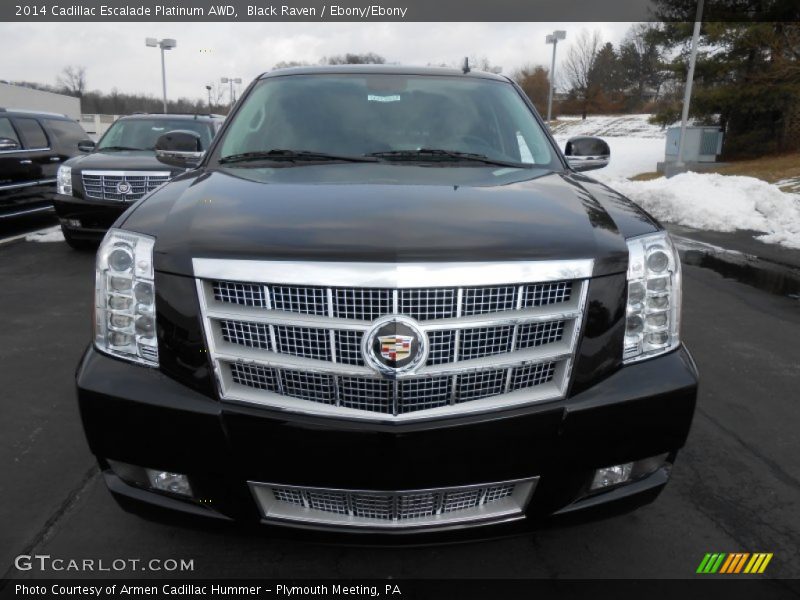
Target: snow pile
{"type": "Point", "coordinates": [719, 203]}
{"type": "Point", "coordinates": [51, 234]}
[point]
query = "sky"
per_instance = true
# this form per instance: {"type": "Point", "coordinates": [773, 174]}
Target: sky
{"type": "Point", "coordinates": [115, 55]}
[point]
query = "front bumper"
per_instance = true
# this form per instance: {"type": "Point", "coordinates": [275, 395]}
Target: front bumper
{"type": "Point", "coordinates": [140, 416]}
{"type": "Point", "coordinates": [87, 219]}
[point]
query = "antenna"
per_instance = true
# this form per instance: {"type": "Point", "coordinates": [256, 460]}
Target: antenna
{"type": "Point", "coordinates": [466, 68]}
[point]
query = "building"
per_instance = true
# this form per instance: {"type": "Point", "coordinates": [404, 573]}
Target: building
{"type": "Point", "coordinates": [15, 96]}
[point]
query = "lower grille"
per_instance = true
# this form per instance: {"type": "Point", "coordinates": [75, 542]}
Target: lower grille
{"type": "Point", "coordinates": [397, 509]}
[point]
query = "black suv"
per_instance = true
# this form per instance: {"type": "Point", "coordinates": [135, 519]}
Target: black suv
{"type": "Point", "coordinates": [384, 301]}
{"type": "Point", "coordinates": [32, 146]}
{"type": "Point", "coordinates": [95, 189]}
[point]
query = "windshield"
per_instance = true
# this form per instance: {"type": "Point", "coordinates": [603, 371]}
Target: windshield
{"type": "Point", "coordinates": [141, 134]}
{"type": "Point", "coordinates": [391, 117]}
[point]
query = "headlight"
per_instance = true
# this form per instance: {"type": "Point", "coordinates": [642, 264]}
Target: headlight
{"type": "Point", "coordinates": [654, 297]}
{"type": "Point", "coordinates": [64, 180]}
{"type": "Point", "coordinates": [125, 312]}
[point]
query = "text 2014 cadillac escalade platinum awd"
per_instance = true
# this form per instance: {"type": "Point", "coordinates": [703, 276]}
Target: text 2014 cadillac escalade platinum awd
{"type": "Point", "coordinates": [383, 301]}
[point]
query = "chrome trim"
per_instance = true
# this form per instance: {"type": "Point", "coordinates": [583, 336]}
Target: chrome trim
{"type": "Point", "coordinates": [391, 275]}
{"type": "Point", "coordinates": [27, 211]}
{"type": "Point", "coordinates": [20, 150]}
{"type": "Point", "coordinates": [118, 173]}
{"type": "Point", "coordinates": [18, 186]}
{"type": "Point", "coordinates": [508, 508]}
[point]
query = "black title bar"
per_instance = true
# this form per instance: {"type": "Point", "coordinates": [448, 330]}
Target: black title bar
{"type": "Point", "coordinates": [395, 10]}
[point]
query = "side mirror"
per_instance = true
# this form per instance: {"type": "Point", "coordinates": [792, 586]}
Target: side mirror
{"type": "Point", "coordinates": [8, 144]}
{"type": "Point", "coordinates": [180, 148]}
{"type": "Point", "coordinates": [587, 153]}
{"type": "Point", "coordinates": [86, 145]}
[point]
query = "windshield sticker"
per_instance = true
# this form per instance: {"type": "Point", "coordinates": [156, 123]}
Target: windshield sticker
{"type": "Point", "coordinates": [375, 98]}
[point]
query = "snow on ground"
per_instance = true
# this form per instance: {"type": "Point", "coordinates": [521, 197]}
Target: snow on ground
{"type": "Point", "coordinates": [716, 202]}
{"type": "Point", "coordinates": [51, 234]}
{"type": "Point", "coordinates": [609, 125]}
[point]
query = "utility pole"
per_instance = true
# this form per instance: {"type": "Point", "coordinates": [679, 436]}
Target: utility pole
{"type": "Point", "coordinates": [553, 39]}
{"type": "Point", "coordinates": [687, 94]}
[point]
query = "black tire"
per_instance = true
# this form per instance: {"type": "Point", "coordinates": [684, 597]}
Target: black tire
{"type": "Point", "coordinates": [75, 244]}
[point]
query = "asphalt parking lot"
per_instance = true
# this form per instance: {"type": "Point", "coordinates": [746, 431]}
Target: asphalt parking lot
{"type": "Point", "coordinates": [735, 487]}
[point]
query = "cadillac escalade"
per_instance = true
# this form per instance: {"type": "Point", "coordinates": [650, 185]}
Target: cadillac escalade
{"type": "Point", "coordinates": [383, 301]}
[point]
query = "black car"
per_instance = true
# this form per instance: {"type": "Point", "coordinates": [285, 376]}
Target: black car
{"type": "Point", "coordinates": [96, 188]}
{"type": "Point", "coordinates": [32, 146]}
{"type": "Point", "coordinates": [384, 302]}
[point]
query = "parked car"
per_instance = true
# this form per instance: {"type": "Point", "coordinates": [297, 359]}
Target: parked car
{"type": "Point", "coordinates": [32, 146]}
{"type": "Point", "coordinates": [384, 301]}
{"type": "Point", "coordinates": [96, 188]}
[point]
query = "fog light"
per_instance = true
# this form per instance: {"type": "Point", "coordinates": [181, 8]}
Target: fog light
{"type": "Point", "coordinates": [174, 483]}
{"type": "Point", "coordinates": [609, 476]}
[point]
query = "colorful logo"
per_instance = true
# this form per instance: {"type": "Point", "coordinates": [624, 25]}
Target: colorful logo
{"type": "Point", "coordinates": [395, 347]}
{"type": "Point", "coordinates": [734, 563]}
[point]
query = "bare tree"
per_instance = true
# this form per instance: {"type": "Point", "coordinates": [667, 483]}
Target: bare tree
{"type": "Point", "coordinates": [73, 80]}
{"type": "Point", "coordinates": [482, 63]}
{"type": "Point", "coordinates": [368, 58]}
{"type": "Point", "coordinates": [579, 64]}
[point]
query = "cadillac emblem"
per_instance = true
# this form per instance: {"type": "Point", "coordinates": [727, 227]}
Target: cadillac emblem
{"type": "Point", "coordinates": [123, 187]}
{"type": "Point", "coordinates": [394, 345]}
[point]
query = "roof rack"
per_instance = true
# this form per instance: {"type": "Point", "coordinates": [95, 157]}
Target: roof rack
{"type": "Point", "coordinates": [33, 112]}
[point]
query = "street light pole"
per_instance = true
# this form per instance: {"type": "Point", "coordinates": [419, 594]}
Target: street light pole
{"type": "Point", "coordinates": [164, 80]}
{"type": "Point", "coordinates": [553, 39]}
{"type": "Point", "coordinates": [687, 94]}
{"type": "Point", "coordinates": [165, 44]}
{"type": "Point", "coordinates": [210, 109]}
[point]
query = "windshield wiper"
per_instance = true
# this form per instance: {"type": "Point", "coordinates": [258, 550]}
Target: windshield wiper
{"type": "Point", "coordinates": [436, 153]}
{"type": "Point", "coordinates": [119, 148]}
{"type": "Point", "coordinates": [291, 155]}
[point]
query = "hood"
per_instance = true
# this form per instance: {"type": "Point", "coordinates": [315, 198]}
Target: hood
{"type": "Point", "coordinates": [133, 160]}
{"type": "Point", "coordinates": [379, 213]}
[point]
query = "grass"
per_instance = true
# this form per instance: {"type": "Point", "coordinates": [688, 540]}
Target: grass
{"type": "Point", "coordinates": [771, 169]}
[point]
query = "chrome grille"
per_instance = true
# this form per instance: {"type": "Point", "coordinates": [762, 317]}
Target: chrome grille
{"type": "Point", "coordinates": [299, 347]}
{"type": "Point", "coordinates": [314, 343]}
{"type": "Point", "coordinates": [386, 396]}
{"type": "Point", "coordinates": [102, 185]}
{"type": "Point", "coordinates": [394, 509]}
{"type": "Point", "coordinates": [365, 304]}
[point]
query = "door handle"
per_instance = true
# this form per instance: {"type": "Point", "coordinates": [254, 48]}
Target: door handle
{"type": "Point", "coordinates": [25, 162]}
{"type": "Point", "coordinates": [55, 158]}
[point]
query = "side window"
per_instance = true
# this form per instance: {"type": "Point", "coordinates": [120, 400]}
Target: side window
{"type": "Point", "coordinates": [7, 131]}
{"type": "Point", "coordinates": [66, 134]}
{"type": "Point", "coordinates": [32, 133]}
